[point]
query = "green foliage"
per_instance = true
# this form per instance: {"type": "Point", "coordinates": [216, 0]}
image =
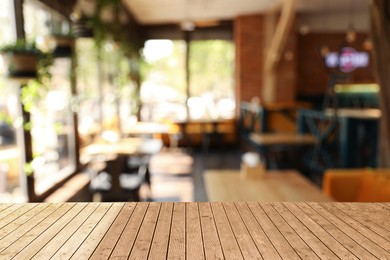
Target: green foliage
{"type": "Point", "coordinates": [211, 67]}
{"type": "Point", "coordinates": [21, 46]}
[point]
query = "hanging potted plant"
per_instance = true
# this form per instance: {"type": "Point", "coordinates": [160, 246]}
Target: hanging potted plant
{"type": "Point", "coordinates": [64, 45]}
{"type": "Point", "coordinates": [21, 59]}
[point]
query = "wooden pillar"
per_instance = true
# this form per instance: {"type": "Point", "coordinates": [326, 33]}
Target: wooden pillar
{"type": "Point", "coordinates": [380, 22]}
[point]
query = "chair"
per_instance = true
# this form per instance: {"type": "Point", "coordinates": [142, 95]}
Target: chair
{"type": "Point", "coordinates": [113, 181]}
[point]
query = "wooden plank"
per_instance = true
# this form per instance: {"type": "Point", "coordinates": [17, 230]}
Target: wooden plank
{"type": "Point", "coordinates": [15, 214]}
{"type": "Point", "coordinates": [177, 248]}
{"type": "Point", "coordinates": [9, 210]}
{"type": "Point", "coordinates": [130, 232]}
{"type": "Point", "coordinates": [323, 244]}
{"type": "Point", "coordinates": [370, 246]}
{"type": "Point", "coordinates": [19, 221]}
{"type": "Point", "coordinates": [284, 249]}
{"type": "Point", "coordinates": [229, 244]}
{"type": "Point", "coordinates": [194, 247]}
{"type": "Point", "coordinates": [159, 248]}
{"type": "Point", "coordinates": [374, 237]}
{"type": "Point", "coordinates": [264, 245]}
{"type": "Point", "coordinates": [4, 206]}
{"type": "Point", "coordinates": [78, 237]}
{"type": "Point", "coordinates": [212, 245]}
{"type": "Point", "coordinates": [299, 245]}
{"type": "Point", "coordinates": [348, 242]}
{"type": "Point", "coordinates": [100, 229]}
{"type": "Point", "coordinates": [366, 219]}
{"type": "Point", "coordinates": [55, 242]}
{"type": "Point", "coordinates": [244, 239]}
{"type": "Point", "coordinates": [34, 226]}
{"type": "Point", "coordinates": [41, 240]}
{"type": "Point", "coordinates": [107, 244]}
{"type": "Point", "coordinates": [378, 213]}
{"type": "Point", "coordinates": [145, 235]}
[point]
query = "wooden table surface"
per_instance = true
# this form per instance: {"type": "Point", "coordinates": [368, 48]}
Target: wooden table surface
{"type": "Point", "coordinates": [275, 185]}
{"type": "Point", "coordinates": [270, 139]}
{"type": "Point", "coordinates": [242, 230]}
{"type": "Point", "coordinates": [125, 146]}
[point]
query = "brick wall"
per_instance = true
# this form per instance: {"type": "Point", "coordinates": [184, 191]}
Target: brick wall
{"type": "Point", "coordinates": [249, 40]}
{"type": "Point", "coordinates": [312, 73]}
{"type": "Point", "coordinates": [252, 36]}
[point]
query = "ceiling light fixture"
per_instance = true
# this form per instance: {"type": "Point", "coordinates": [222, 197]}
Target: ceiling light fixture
{"type": "Point", "coordinates": [187, 24]}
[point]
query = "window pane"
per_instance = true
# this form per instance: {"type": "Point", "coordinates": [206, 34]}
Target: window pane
{"type": "Point", "coordinates": [163, 91]}
{"type": "Point", "coordinates": [51, 116]}
{"type": "Point", "coordinates": [211, 79]}
{"type": "Point", "coordinates": [52, 131]}
{"type": "Point", "coordinates": [89, 111]}
{"type": "Point", "coordinates": [106, 94]}
{"type": "Point", "coordinates": [12, 180]}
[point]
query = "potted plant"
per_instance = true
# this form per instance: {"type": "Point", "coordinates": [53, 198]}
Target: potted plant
{"type": "Point", "coordinates": [21, 59]}
{"type": "Point", "coordinates": [64, 45]}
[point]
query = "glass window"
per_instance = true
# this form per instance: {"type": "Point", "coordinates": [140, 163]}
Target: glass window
{"type": "Point", "coordinates": [52, 126]}
{"type": "Point", "coordinates": [212, 93]}
{"type": "Point", "coordinates": [106, 94]}
{"type": "Point", "coordinates": [54, 155]}
{"type": "Point", "coordinates": [12, 181]}
{"type": "Point", "coordinates": [163, 91]}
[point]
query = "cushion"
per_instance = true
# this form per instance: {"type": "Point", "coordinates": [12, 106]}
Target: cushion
{"type": "Point", "coordinates": [374, 188]}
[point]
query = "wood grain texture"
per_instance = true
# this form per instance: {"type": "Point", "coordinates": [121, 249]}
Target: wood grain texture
{"type": "Point", "coordinates": [230, 185]}
{"type": "Point", "coordinates": [220, 230]}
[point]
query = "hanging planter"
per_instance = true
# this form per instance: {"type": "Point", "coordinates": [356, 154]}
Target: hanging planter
{"type": "Point", "coordinates": [20, 59]}
{"type": "Point", "coordinates": [64, 46]}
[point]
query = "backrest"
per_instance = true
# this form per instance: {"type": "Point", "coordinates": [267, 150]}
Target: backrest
{"type": "Point", "coordinates": [251, 118]}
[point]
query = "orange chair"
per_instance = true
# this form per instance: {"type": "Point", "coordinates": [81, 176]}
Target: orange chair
{"type": "Point", "coordinates": [357, 185]}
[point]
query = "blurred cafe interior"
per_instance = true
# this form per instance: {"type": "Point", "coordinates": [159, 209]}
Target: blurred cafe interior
{"type": "Point", "coordinates": [194, 100]}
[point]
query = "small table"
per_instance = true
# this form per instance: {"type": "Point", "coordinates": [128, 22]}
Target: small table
{"type": "Point", "coordinates": [241, 230]}
{"type": "Point", "coordinates": [230, 185]}
{"type": "Point", "coordinates": [125, 147]}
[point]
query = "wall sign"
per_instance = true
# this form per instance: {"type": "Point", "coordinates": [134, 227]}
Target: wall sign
{"type": "Point", "coordinates": [347, 60]}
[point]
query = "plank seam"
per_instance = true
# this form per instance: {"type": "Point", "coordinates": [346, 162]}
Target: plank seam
{"type": "Point", "coordinates": [265, 233]}
{"type": "Point", "coordinates": [386, 250]}
{"type": "Point", "coordinates": [246, 227]}
{"type": "Point", "coordinates": [215, 225]}
{"type": "Point", "coordinates": [310, 230]}
{"type": "Point", "coordinates": [285, 220]}
{"type": "Point", "coordinates": [154, 230]}
{"type": "Point", "coordinates": [86, 237]}
{"type": "Point", "coordinates": [39, 233]}
{"type": "Point", "coordinates": [112, 223]}
{"type": "Point", "coordinates": [231, 227]}
{"type": "Point", "coordinates": [362, 221]}
{"type": "Point", "coordinates": [201, 231]}
{"type": "Point", "coordinates": [342, 231]}
{"type": "Point", "coordinates": [280, 232]}
{"type": "Point", "coordinates": [128, 219]}
{"type": "Point", "coordinates": [73, 232]}
{"type": "Point", "coordinates": [139, 228]}
{"type": "Point", "coordinates": [52, 237]}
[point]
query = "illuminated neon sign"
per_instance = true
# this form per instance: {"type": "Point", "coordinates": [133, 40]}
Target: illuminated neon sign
{"type": "Point", "coordinates": [347, 60]}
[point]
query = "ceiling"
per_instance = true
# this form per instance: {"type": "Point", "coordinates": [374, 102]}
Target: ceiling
{"type": "Point", "coordinates": [149, 12]}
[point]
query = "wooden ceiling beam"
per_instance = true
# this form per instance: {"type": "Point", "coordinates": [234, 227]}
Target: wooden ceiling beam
{"type": "Point", "coordinates": [279, 39]}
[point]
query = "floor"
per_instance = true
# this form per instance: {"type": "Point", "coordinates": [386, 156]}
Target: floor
{"type": "Point", "coordinates": [177, 175]}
